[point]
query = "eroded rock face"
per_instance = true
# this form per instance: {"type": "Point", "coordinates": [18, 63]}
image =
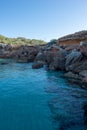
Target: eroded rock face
{"type": "Point", "coordinates": [26, 53]}
{"type": "Point", "coordinates": [76, 78]}
{"type": "Point", "coordinates": [72, 47]}
{"type": "Point", "coordinates": [72, 59]}
{"type": "Point", "coordinates": [83, 48]}
{"type": "Point", "coordinates": [78, 67]}
{"type": "Point", "coordinates": [40, 56]}
{"type": "Point", "coordinates": [83, 73]}
{"type": "Point", "coordinates": [73, 39]}
{"type": "Point", "coordinates": [50, 53]}
{"type": "Point", "coordinates": [55, 58]}
{"type": "Point", "coordinates": [5, 50]}
{"type": "Point", "coordinates": [59, 60]}
{"type": "Point", "coordinates": [21, 53]}
{"type": "Point", "coordinates": [69, 54]}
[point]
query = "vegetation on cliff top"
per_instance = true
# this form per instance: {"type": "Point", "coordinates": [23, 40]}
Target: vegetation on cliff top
{"type": "Point", "coordinates": [20, 41]}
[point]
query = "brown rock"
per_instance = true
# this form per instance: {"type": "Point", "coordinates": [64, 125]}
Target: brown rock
{"type": "Point", "coordinates": [59, 60]}
{"type": "Point", "coordinates": [73, 39]}
{"type": "Point", "coordinates": [40, 57]}
{"type": "Point", "coordinates": [72, 47]}
{"type": "Point", "coordinates": [26, 53]}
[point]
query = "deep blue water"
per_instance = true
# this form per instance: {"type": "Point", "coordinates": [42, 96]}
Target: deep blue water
{"type": "Point", "coordinates": [39, 100]}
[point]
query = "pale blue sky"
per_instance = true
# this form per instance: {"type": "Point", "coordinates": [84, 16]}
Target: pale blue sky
{"type": "Point", "coordinates": [42, 19]}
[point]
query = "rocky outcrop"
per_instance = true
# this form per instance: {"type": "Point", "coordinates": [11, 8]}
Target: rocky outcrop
{"type": "Point", "coordinates": [58, 62]}
{"type": "Point", "coordinates": [20, 53]}
{"type": "Point", "coordinates": [75, 78]}
{"type": "Point", "coordinates": [69, 53]}
{"type": "Point", "coordinates": [40, 56]}
{"type": "Point", "coordinates": [26, 53]}
{"type": "Point", "coordinates": [72, 59]}
{"type": "Point", "coordinates": [83, 48]}
{"type": "Point", "coordinates": [73, 39]}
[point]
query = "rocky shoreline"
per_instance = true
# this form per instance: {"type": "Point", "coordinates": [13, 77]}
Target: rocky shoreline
{"type": "Point", "coordinates": [68, 54]}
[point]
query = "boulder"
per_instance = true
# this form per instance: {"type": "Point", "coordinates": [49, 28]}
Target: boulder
{"type": "Point", "coordinates": [40, 57]}
{"type": "Point", "coordinates": [74, 78]}
{"type": "Point", "coordinates": [53, 48]}
{"type": "Point", "coordinates": [78, 66]}
{"type": "Point", "coordinates": [49, 57]}
{"type": "Point", "coordinates": [71, 75]}
{"type": "Point", "coordinates": [83, 73]}
{"type": "Point", "coordinates": [74, 57]}
{"type": "Point", "coordinates": [83, 48]}
{"type": "Point", "coordinates": [51, 54]}
{"type": "Point", "coordinates": [26, 53]}
{"type": "Point", "coordinates": [59, 60]}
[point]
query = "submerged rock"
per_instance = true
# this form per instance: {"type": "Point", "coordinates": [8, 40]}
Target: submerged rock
{"type": "Point", "coordinates": [4, 63]}
{"type": "Point", "coordinates": [38, 65]}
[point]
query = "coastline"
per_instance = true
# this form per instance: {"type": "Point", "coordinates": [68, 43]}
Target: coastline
{"type": "Point", "coordinates": [55, 55]}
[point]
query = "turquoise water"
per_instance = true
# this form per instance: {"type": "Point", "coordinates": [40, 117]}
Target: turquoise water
{"type": "Point", "coordinates": [39, 100]}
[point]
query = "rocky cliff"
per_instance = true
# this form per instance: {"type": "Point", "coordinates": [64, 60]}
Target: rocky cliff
{"type": "Point", "coordinates": [73, 39]}
{"type": "Point", "coordinates": [64, 54]}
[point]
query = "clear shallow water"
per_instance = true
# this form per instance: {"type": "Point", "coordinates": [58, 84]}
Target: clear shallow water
{"type": "Point", "coordinates": [39, 100]}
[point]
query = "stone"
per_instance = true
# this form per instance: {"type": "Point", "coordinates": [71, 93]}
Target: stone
{"type": "Point", "coordinates": [83, 73]}
{"type": "Point", "coordinates": [54, 48]}
{"type": "Point", "coordinates": [71, 75]}
{"type": "Point", "coordinates": [73, 39]}
{"type": "Point", "coordinates": [78, 66]}
{"type": "Point", "coordinates": [49, 57]}
{"type": "Point", "coordinates": [83, 48]}
{"type": "Point", "coordinates": [59, 60]}
{"type": "Point", "coordinates": [26, 53]}
{"type": "Point", "coordinates": [40, 56]}
{"type": "Point", "coordinates": [71, 47]}
{"type": "Point", "coordinates": [73, 57]}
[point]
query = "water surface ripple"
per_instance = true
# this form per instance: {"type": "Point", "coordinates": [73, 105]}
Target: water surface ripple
{"type": "Point", "coordinates": [39, 100]}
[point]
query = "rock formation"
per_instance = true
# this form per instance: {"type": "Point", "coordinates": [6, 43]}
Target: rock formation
{"type": "Point", "coordinates": [73, 39]}
{"type": "Point", "coordinates": [68, 53]}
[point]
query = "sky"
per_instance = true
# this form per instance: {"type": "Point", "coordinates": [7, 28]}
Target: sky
{"type": "Point", "coordinates": [42, 19]}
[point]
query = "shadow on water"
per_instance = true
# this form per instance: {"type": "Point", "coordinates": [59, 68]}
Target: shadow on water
{"type": "Point", "coordinates": [68, 104]}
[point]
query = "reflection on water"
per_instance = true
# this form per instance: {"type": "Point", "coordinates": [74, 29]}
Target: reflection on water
{"type": "Point", "coordinates": [38, 100]}
{"type": "Point", "coordinates": [67, 105]}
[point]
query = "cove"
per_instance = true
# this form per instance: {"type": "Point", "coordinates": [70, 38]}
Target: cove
{"type": "Point", "coordinates": [39, 99]}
